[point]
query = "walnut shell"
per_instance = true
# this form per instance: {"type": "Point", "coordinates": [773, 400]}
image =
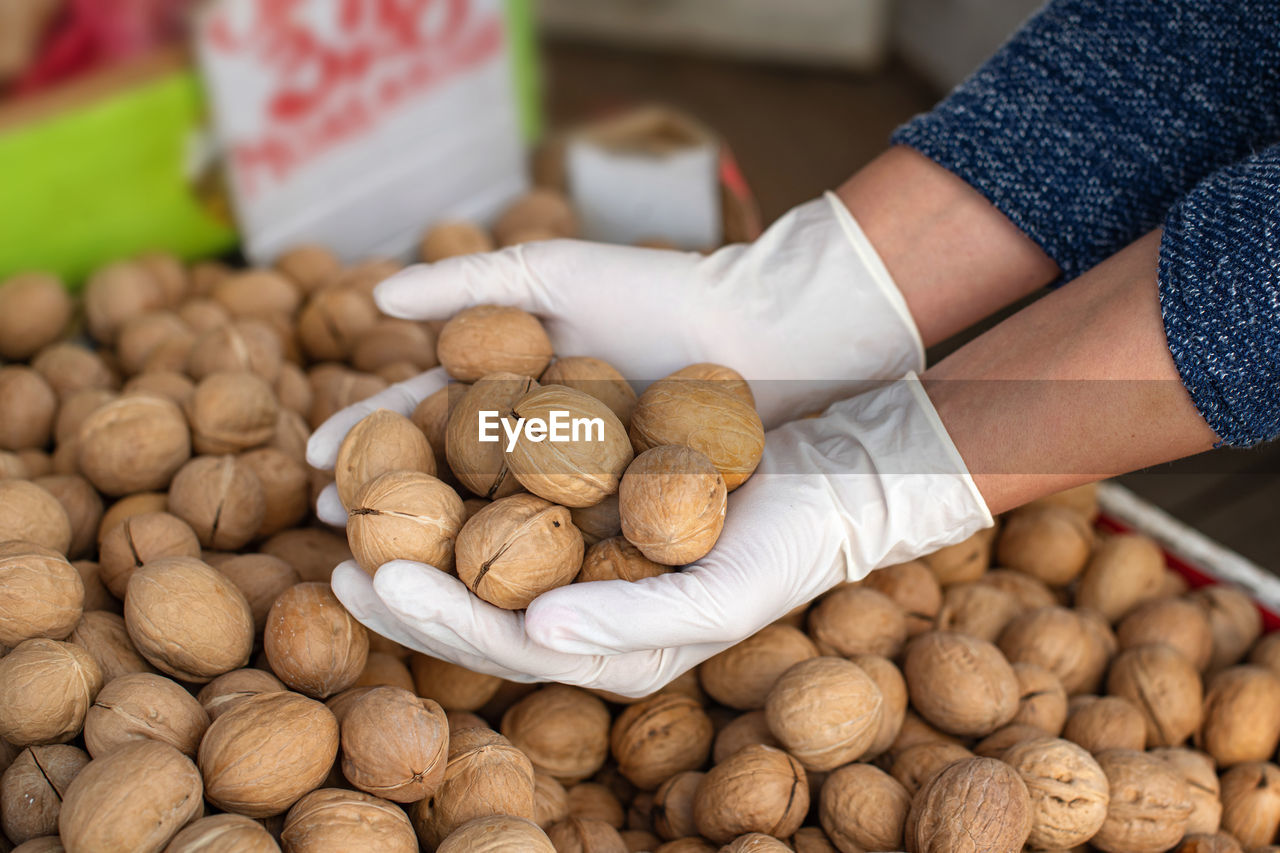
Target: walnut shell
{"type": "Point", "coordinates": [30, 514]}
{"type": "Point", "coordinates": [158, 611]}
{"type": "Point", "coordinates": [1047, 542]}
{"type": "Point", "coordinates": [1042, 701]}
{"type": "Point", "coordinates": [616, 559]}
{"type": "Point", "coordinates": [1061, 641]}
{"type": "Point", "coordinates": [229, 690]}
{"type": "Point", "coordinates": [916, 765]}
{"type": "Point", "coordinates": [751, 727]}
{"type": "Point", "coordinates": [77, 406]}
{"type": "Point", "coordinates": [261, 579]}
{"type": "Point", "coordinates": [757, 789]}
{"type": "Point", "coordinates": [451, 239]}
{"type": "Point", "coordinates": [69, 367]}
{"type": "Point", "coordinates": [141, 336]}
{"type": "Point", "coordinates": [826, 711]}
{"type": "Point", "coordinates": [915, 732]}
{"type": "Point", "coordinates": [975, 805]}
{"type": "Point", "coordinates": [961, 684]}
{"type": "Point", "coordinates": [1069, 792]}
{"type": "Point", "coordinates": [1108, 722]}
{"type": "Point", "coordinates": [914, 588]}
{"type": "Point", "coordinates": [489, 339]}
{"type": "Point", "coordinates": [395, 745]}
{"type": "Point", "coordinates": [45, 689]}
{"type": "Point", "coordinates": [742, 675]}
{"type": "Point", "coordinates": [517, 548]}
{"type": "Point", "coordinates": [384, 670]}
{"type": "Point", "coordinates": [313, 553]}
{"type": "Point", "coordinates": [996, 744]}
{"type": "Point", "coordinates": [673, 805]}
{"type": "Point", "coordinates": [1241, 715]}
{"type": "Point", "coordinates": [1234, 620]}
{"type": "Point", "coordinates": [309, 266]}
{"type": "Point", "coordinates": [393, 341]}
{"type": "Point", "coordinates": [381, 442]}
{"type": "Point", "coordinates": [598, 522]}
{"type": "Point", "coordinates": [563, 730]}
{"type": "Point", "coordinates": [1251, 803]}
{"type": "Point", "coordinates": [639, 840]}
{"type": "Point", "coordinates": [1266, 652]}
{"type": "Point", "coordinates": [597, 378]}
{"type": "Point", "coordinates": [404, 515]}
{"type": "Point", "coordinates": [106, 638]}
{"type": "Point", "coordinates": [456, 688]}
{"type": "Point", "coordinates": [339, 388]}
{"type": "Point", "coordinates": [32, 788]}
{"type": "Point", "coordinates": [580, 471]}
{"type": "Point", "coordinates": [129, 506]}
{"type": "Point", "coordinates": [810, 839]}
{"type": "Point", "coordinates": [432, 417]}
{"type": "Point", "coordinates": [550, 800]}
{"type": "Point", "coordinates": [231, 411]}
{"type": "Point", "coordinates": [1165, 688]}
{"type": "Point", "coordinates": [312, 643]}
{"type": "Point", "coordinates": [141, 539]}
{"type": "Point", "coordinates": [257, 292]}
{"type": "Point", "coordinates": [83, 505]}
{"type": "Point", "coordinates": [144, 706]}
{"type": "Point", "coordinates": [701, 415]}
{"type": "Point", "coordinates": [671, 503]}
{"type": "Point", "coordinates": [977, 609]}
{"type": "Point", "coordinates": [241, 346]}
{"type": "Point", "coordinates": [35, 308]}
{"type": "Point", "coordinates": [136, 799]}
{"type": "Point", "coordinates": [284, 482]}
{"type": "Point", "coordinates": [221, 499]}
{"type": "Point", "coordinates": [261, 756]}
{"type": "Point", "coordinates": [963, 561]}
{"type": "Point", "coordinates": [755, 842]}
{"type": "Point", "coordinates": [1149, 806]}
{"type": "Point", "coordinates": [333, 320]}
{"type": "Point", "coordinates": [543, 209]}
{"type": "Point", "coordinates": [497, 834]}
{"type": "Point", "coordinates": [134, 444]}
{"type": "Point", "coordinates": [41, 594]}
{"type": "Point", "coordinates": [1198, 772]}
{"type": "Point", "coordinates": [658, 737]}
{"type": "Point", "coordinates": [853, 620]}
{"type": "Point", "coordinates": [332, 819]}
{"type": "Point", "coordinates": [482, 466]}
{"type": "Point", "coordinates": [1125, 570]}
{"type": "Point", "coordinates": [863, 808]}
{"type": "Point", "coordinates": [1176, 622]}
{"type": "Point", "coordinates": [223, 833]}
{"type": "Point", "coordinates": [595, 801]}
{"type": "Point", "coordinates": [26, 421]}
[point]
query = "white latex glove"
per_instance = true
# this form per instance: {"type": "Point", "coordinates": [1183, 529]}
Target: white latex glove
{"type": "Point", "coordinates": [872, 482]}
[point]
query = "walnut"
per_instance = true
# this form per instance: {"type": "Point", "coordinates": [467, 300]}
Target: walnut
{"type": "Point", "coordinates": [144, 706]}
{"type": "Point", "coordinates": [672, 504]}
{"type": "Point", "coordinates": [391, 341]}
{"type": "Point", "coordinates": [658, 737]}
{"type": "Point", "coordinates": [46, 687]}
{"type": "Point", "coordinates": [482, 466]}
{"type": "Point", "coordinates": [595, 377]}
{"type": "Point", "coordinates": [231, 411]}
{"type": "Point", "coordinates": [1266, 652]}
{"type": "Point", "coordinates": [1251, 803]}
{"type": "Point", "coordinates": [1061, 641]}
{"type": "Point", "coordinates": [223, 833]}
{"type": "Point", "coordinates": [1198, 772]}
{"type": "Point", "coordinates": [598, 522]}
{"type": "Point", "coordinates": [133, 444]}
{"type": "Point", "coordinates": [451, 239]}
{"type": "Point", "coordinates": [915, 589]}
{"type": "Point", "coordinates": [129, 506]}
{"type": "Point", "coordinates": [30, 514]}
{"type": "Point", "coordinates": [741, 731]}
{"type": "Point", "coordinates": [141, 539]}
{"type": "Point", "coordinates": [1069, 792]}
{"type": "Point", "coordinates": [257, 293]}
{"type": "Point", "coordinates": [1108, 722]}
{"type": "Point", "coordinates": [810, 839]}
{"type": "Point", "coordinates": [701, 415]}
{"type": "Point", "coordinates": [222, 500]}
{"type": "Point", "coordinates": [136, 798]}
{"type": "Point", "coordinates": [863, 808]}
{"type": "Point", "coordinates": [309, 266]}
{"type": "Point", "coordinates": [852, 620]}
{"type": "Point", "coordinates": [1042, 701]}
{"type": "Point", "coordinates": [312, 643]}
{"type": "Point", "coordinates": [32, 788]}
{"type": "Point", "coordinates": [544, 209]}
{"type": "Point", "coordinates": [456, 688]}
{"type": "Point", "coordinates": [978, 804]}
{"type": "Point", "coordinates": [563, 730]}
{"type": "Point", "coordinates": [395, 744]}
{"type": "Point", "coordinates": [159, 603]}
{"type": "Point", "coordinates": [978, 609]}
{"type": "Point", "coordinates": [26, 421]}
{"type": "Point", "coordinates": [1176, 622]}
{"type": "Point", "coordinates": [1125, 570]}
{"type": "Point", "coordinates": [104, 636]}
{"type": "Point", "coordinates": [961, 684]}
{"type": "Point", "coordinates": [616, 559]}
{"type": "Point", "coordinates": [595, 801]}
{"type": "Point", "coordinates": [35, 309]}
{"type": "Point", "coordinates": [143, 335]}
{"type": "Point", "coordinates": [385, 670]}
{"type": "Point", "coordinates": [82, 504]}
{"type": "Point", "coordinates": [70, 367]}
{"type": "Point", "coordinates": [229, 690]}
{"type": "Point", "coordinates": [1081, 499]}
{"type": "Point", "coordinates": [742, 675]}
{"type": "Point", "coordinates": [497, 834]}
{"type": "Point", "coordinates": [893, 692]}
{"type": "Point", "coordinates": [755, 842]}
{"type": "Point", "coordinates": [487, 339]}
{"type": "Point", "coordinates": [639, 840]}
{"type": "Point", "coordinates": [1234, 620]}
{"type": "Point", "coordinates": [999, 742]}
{"type": "Point", "coordinates": [1149, 806]}
{"type": "Point", "coordinates": [915, 731]}
{"type": "Point", "coordinates": [261, 579]}
{"type": "Point", "coordinates": [294, 393]}
{"type": "Point", "coordinates": [41, 594]}
{"type": "Point", "coordinates": [826, 711]}
{"type": "Point", "coordinates": [381, 442]}
{"type": "Point", "coordinates": [432, 417]}
{"type": "Point", "coordinates": [333, 319]}
{"type": "Point", "coordinates": [579, 472]}
{"type": "Point", "coordinates": [485, 775]}
{"type": "Point", "coordinates": [672, 813]}
{"type": "Point", "coordinates": [258, 758]}
{"type": "Point", "coordinates": [916, 765]}
{"type": "Point", "coordinates": [404, 515]}
{"type": "Point", "coordinates": [550, 800]}
{"type": "Point", "coordinates": [1048, 542]}
{"type": "Point", "coordinates": [333, 819]}
{"type": "Point", "coordinates": [963, 561]}
{"type": "Point", "coordinates": [517, 548]}
{"type": "Point", "coordinates": [313, 553]}
{"type": "Point", "coordinates": [1241, 715]}
{"type": "Point", "coordinates": [1164, 687]}
{"type": "Point", "coordinates": [757, 789]}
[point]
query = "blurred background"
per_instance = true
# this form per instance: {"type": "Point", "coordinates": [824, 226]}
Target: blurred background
{"type": "Point", "coordinates": [236, 128]}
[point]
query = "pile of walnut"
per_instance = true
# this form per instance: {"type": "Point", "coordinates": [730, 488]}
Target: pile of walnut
{"type": "Point", "coordinates": [177, 675]}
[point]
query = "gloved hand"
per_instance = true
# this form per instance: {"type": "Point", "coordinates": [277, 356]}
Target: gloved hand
{"type": "Point", "coordinates": [872, 482]}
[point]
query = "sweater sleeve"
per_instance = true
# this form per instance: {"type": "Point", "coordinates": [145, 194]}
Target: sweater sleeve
{"type": "Point", "coordinates": [1098, 114]}
{"type": "Point", "coordinates": [1219, 279]}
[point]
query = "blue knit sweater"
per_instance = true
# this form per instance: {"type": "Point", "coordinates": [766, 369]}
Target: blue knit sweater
{"type": "Point", "coordinates": [1101, 120]}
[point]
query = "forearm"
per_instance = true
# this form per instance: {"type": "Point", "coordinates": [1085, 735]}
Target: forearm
{"type": "Point", "coordinates": [1076, 387]}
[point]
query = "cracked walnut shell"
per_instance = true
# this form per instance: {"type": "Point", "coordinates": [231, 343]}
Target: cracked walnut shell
{"type": "Point", "coordinates": [757, 789]}
{"type": "Point", "coordinates": [517, 548]}
{"type": "Point", "coordinates": [404, 515]}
